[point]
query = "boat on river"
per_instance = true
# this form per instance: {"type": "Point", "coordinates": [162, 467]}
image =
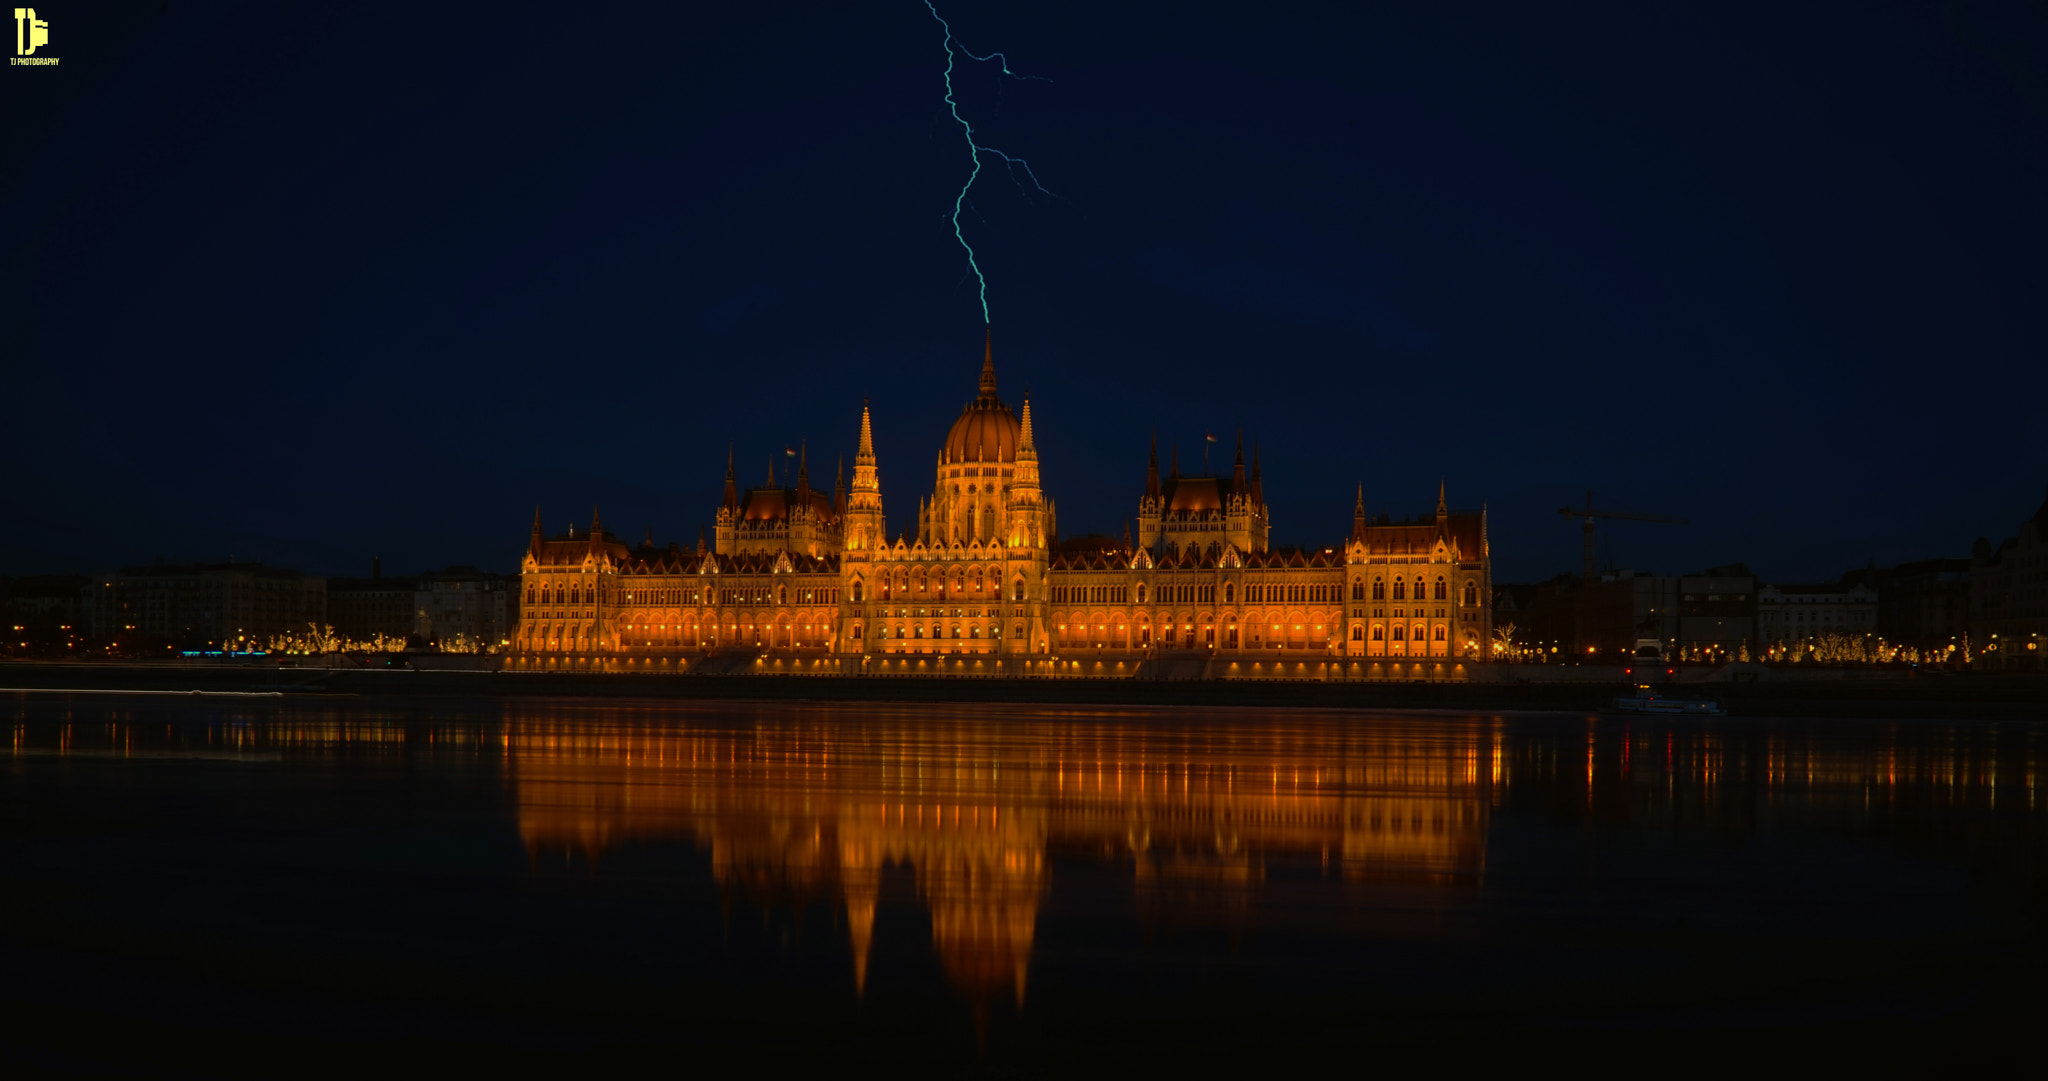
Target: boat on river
{"type": "Point", "coordinates": [1645, 700]}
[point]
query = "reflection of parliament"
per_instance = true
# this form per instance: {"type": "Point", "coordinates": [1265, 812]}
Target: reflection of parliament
{"type": "Point", "coordinates": [797, 572]}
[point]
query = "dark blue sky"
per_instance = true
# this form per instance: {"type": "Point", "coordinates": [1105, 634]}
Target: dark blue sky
{"type": "Point", "coordinates": [312, 283]}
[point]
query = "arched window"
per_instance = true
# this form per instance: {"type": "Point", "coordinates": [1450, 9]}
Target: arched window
{"type": "Point", "coordinates": [917, 631]}
{"type": "Point", "coordinates": [857, 629]}
{"type": "Point", "coordinates": [1471, 594]}
{"type": "Point", "coordinates": [1017, 590]}
{"type": "Point", "coordinates": [1141, 592]}
{"type": "Point", "coordinates": [1401, 591]}
{"type": "Point", "coordinates": [1440, 632]}
{"type": "Point", "coordinates": [1397, 632]}
{"type": "Point", "coordinates": [782, 594]}
{"type": "Point", "coordinates": [856, 591]}
{"type": "Point", "coordinates": [1379, 590]}
{"type": "Point", "coordinates": [1440, 594]}
{"type": "Point", "coordinates": [1377, 632]}
{"type": "Point", "coordinates": [1230, 592]}
{"type": "Point", "coordinates": [974, 631]}
{"type": "Point", "coordinates": [1358, 634]}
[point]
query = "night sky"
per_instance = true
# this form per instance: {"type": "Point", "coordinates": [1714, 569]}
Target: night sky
{"type": "Point", "coordinates": [311, 283]}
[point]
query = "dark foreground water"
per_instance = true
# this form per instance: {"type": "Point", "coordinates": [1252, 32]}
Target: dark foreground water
{"type": "Point", "coordinates": [215, 886]}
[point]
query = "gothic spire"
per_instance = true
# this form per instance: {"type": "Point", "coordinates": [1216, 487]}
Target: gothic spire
{"type": "Point", "coordinates": [988, 365]}
{"type": "Point", "coordinates": [1258, 485]}
{"type": "Point", "coordinates": [1237, 469]}
{"type": "Point", "coordinates": [1152, 467]}
{"type": "Point", "coordinates": [732, 490]}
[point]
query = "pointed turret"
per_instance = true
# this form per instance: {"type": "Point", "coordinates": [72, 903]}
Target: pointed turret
{"type": "Point", "coordinates": [839, 488]}
{"type": "Point", "coordinates": [1152, 468]}
{"type": "Point", "coordinates": [732, 488]}
{"type": "Point", "coordinates": [988, 365]}
{"type": "Point", "coordinates": [1237, 468]}
{"type": "Point", "coordinates": [803, 476]}
{"type": "Point", "coordinates": [864, 455]}
{"type": "Point", "coordinates": [647, 539]}
{"type": "Point", "coordinates": [534, 544]}
{"type": "Point", "coordinates": [864, 525]}
{"type": "Point", "coordinates": [701, 549]}
{"type": "Point", "coordinates": [1358, 516]}
{"type": "Point", "coordinates": [771, 469]}
{"type": "Point", "coordinates": [596, 522]}
{"type": "Point", "coordinates": [1258, 482]}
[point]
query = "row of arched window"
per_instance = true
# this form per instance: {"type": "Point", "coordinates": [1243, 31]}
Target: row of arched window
{"type": "Point", "coordinates": [961, 582]}
{"type": "Point", "coordinates": [1422, 590]}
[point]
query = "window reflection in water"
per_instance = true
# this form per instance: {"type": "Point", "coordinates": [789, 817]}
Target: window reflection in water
{"type": "Point", "coordinates": [975, 806]}
{"type": "Point", "coordinates": [1325, 823]}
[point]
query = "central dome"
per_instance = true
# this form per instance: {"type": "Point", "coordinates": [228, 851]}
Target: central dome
{"type": "Point", "coordinates": [987, 431]}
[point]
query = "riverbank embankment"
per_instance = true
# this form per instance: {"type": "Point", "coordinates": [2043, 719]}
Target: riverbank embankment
{"type": "Point", "coordinates": [1943, 695]}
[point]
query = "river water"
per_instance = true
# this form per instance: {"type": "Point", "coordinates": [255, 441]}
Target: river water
{"type": "Point", "coordinates": [262, 886]}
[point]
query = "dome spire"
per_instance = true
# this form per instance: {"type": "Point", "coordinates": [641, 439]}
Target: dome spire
{"type": "Point", "coordinates": [988, 365]}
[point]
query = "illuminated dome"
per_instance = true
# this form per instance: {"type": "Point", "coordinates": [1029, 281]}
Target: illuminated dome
{"type": "Point", "coordinates": [987, 431]}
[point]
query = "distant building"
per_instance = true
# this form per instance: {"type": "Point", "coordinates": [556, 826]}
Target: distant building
{"type": "Point", "coordinates": [1717, 611]}
{"type": "Point", "coordinates": [1925, 604]}
{"type": "Point", "coordinates": [1789, 613]}
{"type": "Point", "coordinates": [465, 604]}
{"type": "Point", "coordinates": [1624, 609]}
{"type": "Point", "coordinates": [43, 613]}
{"type": "Point", "coordinates": [362, 609]}
{"type": "Point", "coordinates": [2009, 595]}
{"type": "Point", "coordinates": [214, 605]}
{"type": "Point", "coordinates": [1545, 614]}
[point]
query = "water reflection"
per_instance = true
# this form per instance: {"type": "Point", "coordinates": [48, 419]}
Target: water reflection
{"type": "Point", "coordinates": [1678, 860]}
{"type": "Point", "coordinates": [975, 804]}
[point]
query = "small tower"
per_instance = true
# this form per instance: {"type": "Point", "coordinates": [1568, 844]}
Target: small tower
{"type": "Point", "coordinates": [864, 524]}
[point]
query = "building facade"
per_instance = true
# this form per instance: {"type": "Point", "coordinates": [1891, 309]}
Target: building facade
{"type": "Point", "coordinates": [981, 574]}
{"type": "Point", "coordinates": [462, 608]}
{"type": "Point", "coordinates": [365, 609]}
{"type": "Point", "coordinates": [1717, 612]}
{"type": "Point", "coordinates": [1795, 613]}
{"type": "Point", "coordinates": [214, 605]}
{"type": "Point", "coordinates": [2009, 595]}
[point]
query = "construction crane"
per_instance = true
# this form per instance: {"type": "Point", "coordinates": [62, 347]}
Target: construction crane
{"type": "Point", "coordinates": [1590, 513]}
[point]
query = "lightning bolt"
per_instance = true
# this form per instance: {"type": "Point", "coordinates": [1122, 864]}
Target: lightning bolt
{"type": "Point", "coordinates": [975, 150]}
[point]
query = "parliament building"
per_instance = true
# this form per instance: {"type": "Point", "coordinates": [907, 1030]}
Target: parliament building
{"type": "Point", "coordinates": [798, 572]}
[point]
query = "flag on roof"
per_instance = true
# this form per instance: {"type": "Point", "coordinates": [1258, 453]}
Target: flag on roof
{"type": "Point", "coordinates": [1210, 438]}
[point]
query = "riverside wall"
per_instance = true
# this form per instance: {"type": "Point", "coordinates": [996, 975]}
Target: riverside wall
{"type": "Point", "coordinates": [1570, 688]}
